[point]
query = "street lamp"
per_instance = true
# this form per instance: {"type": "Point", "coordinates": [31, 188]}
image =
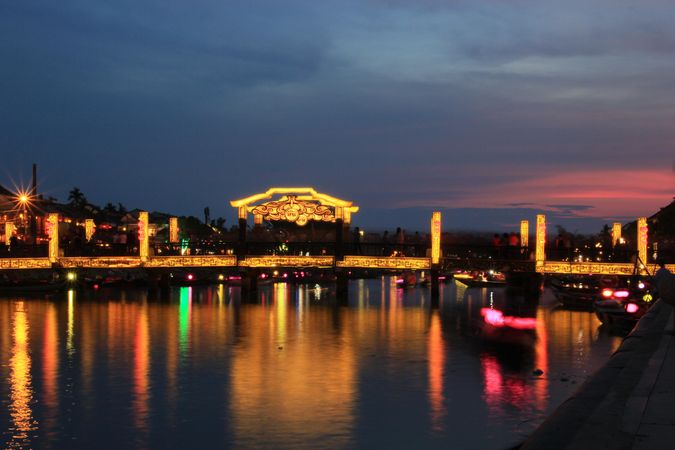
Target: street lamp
{"type": "Point", "coordinates": [23, 203]}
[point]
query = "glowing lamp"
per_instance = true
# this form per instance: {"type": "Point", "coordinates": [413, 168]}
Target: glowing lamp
{"type": "Point", "coordinates": [173, 230]}
{"type": "Point", "coordinates": [190, 277]}
{"type": "Point", "coordinates": [621, 294]}
{"type": "Point", "coordinates": [641, 285]}
{"type": "Point", "coordinates": [616, 233]}
{"type": "Point", "coordinates": [71, 276]}
{"type": "Point", "coordinates": [143, 236]}
{"type": "Point", "coordinates": [435, 237]}
{"type": "Point", "coordinates": [607, 293]}
{"type": "Point", "coordinates": [647, 298]}
{"type": "Point", "coordinates": [540, 249]}
{"type": "Point", "coordinates": [221, 277]}
{"type": "Point", "coordinates": [632, 308]}
{"type": "Point", "coordinates": [642, 239]}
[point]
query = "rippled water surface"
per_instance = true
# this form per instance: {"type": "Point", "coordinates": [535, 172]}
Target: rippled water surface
{"type": "Point", "coordinates": [291, 368]}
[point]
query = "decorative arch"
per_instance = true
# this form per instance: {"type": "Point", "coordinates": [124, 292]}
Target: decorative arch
{"type": "Point", "coordinates": [296, 205]}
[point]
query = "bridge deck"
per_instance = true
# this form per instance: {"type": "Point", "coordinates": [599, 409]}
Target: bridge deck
{"type": "Point", "coordinates": [323, 262]}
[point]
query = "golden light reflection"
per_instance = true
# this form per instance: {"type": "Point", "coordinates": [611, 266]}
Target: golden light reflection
{"type": "Point", "coordinates": [281, 310]}
{"type": "Point", "coordinates": [221, 294]}
{"type": "Point", "coordinates": [21, 389]}
{"type": "Point", "coordinates": [301, 392]}
{"type": "Point", "coordinates": [436, 354]}
{"type": "Point", "coordinates": [541, 361]}
{"type": "Point", "coordinates": [50, 361]}
{"type": "Point", "coordinates": [71, 322]}
{"type": "Point", "coordinates": [141, 370]}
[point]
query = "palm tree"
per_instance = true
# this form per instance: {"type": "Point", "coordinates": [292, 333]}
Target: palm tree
{"type": "Point", "coordinates": [76, 198]}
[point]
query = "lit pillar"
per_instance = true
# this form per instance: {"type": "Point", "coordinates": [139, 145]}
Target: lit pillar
{"type": "Point", "coordinates": [143, 238]}
{"type": "Point", "coordinates": [243, 213]}
{"type": "Point", "coordinates": [616, 233]}
{"type": "Point", "coordinates": [9, 231]}
{"type": "Point", "coordinates": [52, 229]}
{"type": "Point", "coordinates": [524, 233]}
{"type": "Point", "coordinates": [257, 220]}
{"type": "Point", "coordinates": [436, 237]}
{"type": "Point", "coordinates": [89, 229]}
{"type": "Point", "coordinates": [435, 256]}
{"type": "Point", "coordinates": [642, 232]}
{"type": "Point", "coordinates": [540, 251]}
{"type": "Point", "coordinates": [173, 230]}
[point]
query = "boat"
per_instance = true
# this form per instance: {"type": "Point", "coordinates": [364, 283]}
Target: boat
{"type": "Point", "coordinates": [622, 308]}
{"type": "Point", "coordinates": [490, 278]}
{"type": "Point", "coordinates": [577, 292]}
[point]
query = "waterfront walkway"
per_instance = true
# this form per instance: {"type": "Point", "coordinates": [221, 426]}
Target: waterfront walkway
{"type": "Point", "coordinates": [629, 403]}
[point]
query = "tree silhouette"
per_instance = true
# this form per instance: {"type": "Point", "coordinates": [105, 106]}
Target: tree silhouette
{"type": "Point", "coordinates": [76, 198]}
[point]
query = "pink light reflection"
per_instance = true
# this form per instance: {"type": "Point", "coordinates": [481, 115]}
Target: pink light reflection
{"type": "Point", "coordinates": [497, 318]}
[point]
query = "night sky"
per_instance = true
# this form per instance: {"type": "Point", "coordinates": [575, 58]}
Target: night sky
{"type": "Point", "coordinates": [491, 111]}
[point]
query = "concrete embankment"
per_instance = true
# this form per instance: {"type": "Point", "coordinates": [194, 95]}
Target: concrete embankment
{"type": "Point", "coordinates": [628, 403]}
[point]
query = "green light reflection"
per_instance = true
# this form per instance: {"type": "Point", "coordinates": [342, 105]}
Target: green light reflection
{"type": "Point", "coordinates": [184, 311]}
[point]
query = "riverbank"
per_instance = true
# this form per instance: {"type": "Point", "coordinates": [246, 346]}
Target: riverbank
{"type": "Point", "coordinates": [627, 404]}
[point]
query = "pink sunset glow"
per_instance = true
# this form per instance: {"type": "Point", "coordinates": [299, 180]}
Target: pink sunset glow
{"type": "Point", "coordinates": [588, 193]}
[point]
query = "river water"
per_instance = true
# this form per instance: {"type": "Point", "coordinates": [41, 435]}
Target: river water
{"type": "Point", "coordinates": [290, 368]}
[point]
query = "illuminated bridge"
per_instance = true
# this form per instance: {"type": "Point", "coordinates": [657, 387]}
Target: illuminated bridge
{"type": "Point", "coordinates": [304, 206]}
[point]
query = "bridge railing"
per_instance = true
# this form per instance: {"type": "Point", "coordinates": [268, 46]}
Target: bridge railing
{"type": "Point", "coordinates": [486, 252]}
{"type": "Point", "coordinates": [618, 254]}
{"type": "Point", "coordinates": [24, 251]}
{"type": "Point", "coordinates": [99, 249]}
{"type": "Point", "coordinates": [384, 248]}
{"type": "Point", "coordinates": [194, 248]}
{"type": "Point", "coordinates": [290, 248]}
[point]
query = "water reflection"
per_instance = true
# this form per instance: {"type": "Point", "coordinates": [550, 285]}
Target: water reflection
{"type": "Point", "coordinates": [436, 373]}
{"type": "Point", "coordinates": [23, 422]}
{"type": "Point", "coordinates": [184, 313]}
{"type": "Point", "coordinates": [290, 389]}
{"type": "Point", "coordinates": [71, 323]}
{"type": "Point", "coordinates": [141, 371]}
{"type": "Point", "coordinates": [50, 363]}
{"type": "Point", "coordinates": [291, 368]}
